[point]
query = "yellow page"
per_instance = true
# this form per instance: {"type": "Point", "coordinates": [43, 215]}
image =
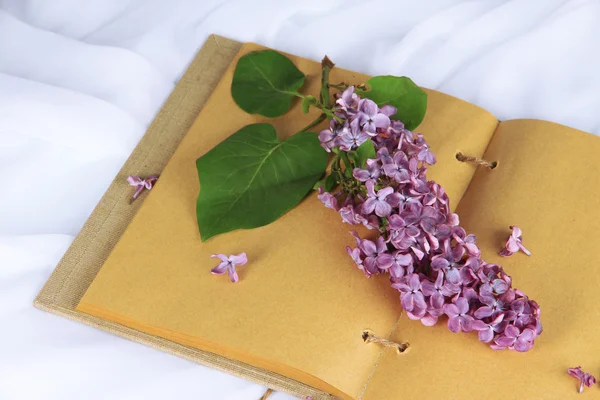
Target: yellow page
{"type": "Point", "coordinates": [547, 182]}
{"type": "Point", "coordinates": [301, 304]}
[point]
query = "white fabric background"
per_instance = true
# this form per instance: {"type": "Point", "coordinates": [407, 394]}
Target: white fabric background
{"type": "Point", "coordinates": [81, 80]}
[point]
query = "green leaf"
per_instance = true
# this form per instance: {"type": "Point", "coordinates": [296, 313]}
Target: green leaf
{"type": "Point", "coordinates": [364, 152]}
{"type": "Point", "coordinates": [252, 178]}
{"type": "Point", "coordinates": [265, 82]}
{"type": "Point", "coordinates": [307, 101]}
{"type": "Point", "coordinates": [402, 93]}
{"type": "Point", "coordinates": [328, 183]}
{"type": "Point", "coordinates": [331, 182]}
{"type": "Point", "coordinates": [348, 168]}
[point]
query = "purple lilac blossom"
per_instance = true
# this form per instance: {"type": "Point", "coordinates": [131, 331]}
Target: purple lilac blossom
{"type": "Point", "coordinates": [228, 264]}
{"type": "Point", "coordinates": [584, 378]}
{"type": "Point", "coordinates": [514, 243]}
{"type": "Point", "coordinates": [140, 184]}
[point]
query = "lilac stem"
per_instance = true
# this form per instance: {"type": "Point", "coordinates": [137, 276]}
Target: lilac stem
{"type": "Point", "coordinates": [314, 123]}
{"type": "Point", "coordinates": [326, 66]}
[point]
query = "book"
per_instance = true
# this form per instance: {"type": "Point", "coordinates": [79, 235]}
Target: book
{"type": "Point", "coordinates": [301, 305]}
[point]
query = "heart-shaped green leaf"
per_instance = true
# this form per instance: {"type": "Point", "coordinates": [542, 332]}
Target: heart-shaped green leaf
{"type": "Point", "coordinates": [252, 178]}
{"type": "Point", "coordinates": [265, 82]}
{"type": "Point", "coordinates": [402, 93]}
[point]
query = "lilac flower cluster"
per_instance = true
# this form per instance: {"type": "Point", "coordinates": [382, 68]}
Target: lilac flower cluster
{"type": "Point", "coordinates": [434, 264]}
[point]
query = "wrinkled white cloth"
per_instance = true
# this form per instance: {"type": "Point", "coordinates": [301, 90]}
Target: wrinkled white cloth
{"type": "Point", "coordinates": [81, 81]}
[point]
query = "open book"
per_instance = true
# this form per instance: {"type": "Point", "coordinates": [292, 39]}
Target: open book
{"type": "Point", "coordinates": [301, 305]}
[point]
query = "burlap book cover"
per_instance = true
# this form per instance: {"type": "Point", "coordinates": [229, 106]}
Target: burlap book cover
{"type": "Point", "coordinates": [88, 252]}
